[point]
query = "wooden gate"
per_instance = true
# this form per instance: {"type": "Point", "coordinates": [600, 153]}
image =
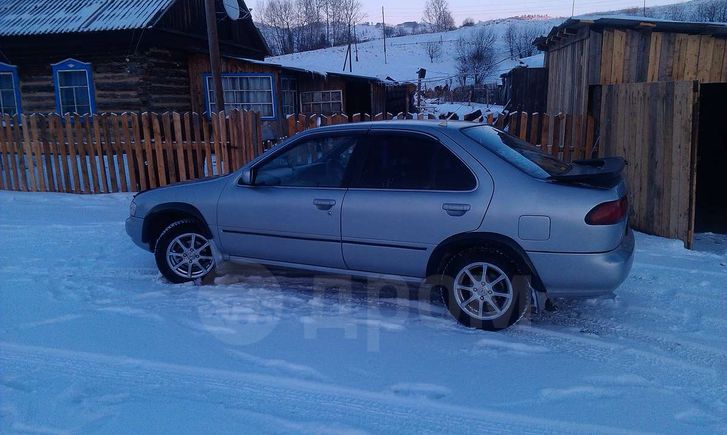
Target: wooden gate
{"type": "Point", "coordinates": [654, 126]}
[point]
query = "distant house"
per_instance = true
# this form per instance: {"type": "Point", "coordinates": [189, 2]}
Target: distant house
{"type": "Point", "coordinates": [92, 56]}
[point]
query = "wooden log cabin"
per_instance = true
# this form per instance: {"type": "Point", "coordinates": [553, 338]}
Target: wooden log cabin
{"type": "Point", "coordinates": [93, 56]}
{"type": "Point", "coordinates": [655, 90]}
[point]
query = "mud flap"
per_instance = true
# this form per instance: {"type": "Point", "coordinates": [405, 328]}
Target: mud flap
{"type": "Point", "coordinates": [540, 301]}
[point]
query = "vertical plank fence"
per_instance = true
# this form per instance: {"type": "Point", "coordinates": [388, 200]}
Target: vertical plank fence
{"type": "Point", "coordinates": [125, 152]}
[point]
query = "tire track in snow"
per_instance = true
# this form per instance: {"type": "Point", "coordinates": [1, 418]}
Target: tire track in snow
{"type": "Point", "coordinates": [378, 412]}
{"type": "Point", "coordinates": [667, 372]}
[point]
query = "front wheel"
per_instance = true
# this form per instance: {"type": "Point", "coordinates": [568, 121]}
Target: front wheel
{"type": "Point", "coordinates": [485, 290]}
{"type": "Point", "coordinates": [184, 253]}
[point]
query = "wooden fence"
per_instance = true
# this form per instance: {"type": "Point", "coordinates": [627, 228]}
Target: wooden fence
{"type": "Point", "coordinates": [122, 152]}
{"type": "Point", "coordinates": [131, 152]}
{"type": "Point", "coordinates": [569, 137]}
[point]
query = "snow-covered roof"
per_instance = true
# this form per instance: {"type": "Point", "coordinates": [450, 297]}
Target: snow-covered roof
{"type": "Point", "coordinates": [316, 71]}
{"type": "Point", "coordinates": [572, 25]}
{"type": "Point", "coordinates": [535, 61]}
{"type": "Point", "coordinates": [38, 17]}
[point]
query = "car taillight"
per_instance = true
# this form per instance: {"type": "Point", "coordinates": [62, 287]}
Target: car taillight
{"type": "Point", "coordinates": [608, 213]}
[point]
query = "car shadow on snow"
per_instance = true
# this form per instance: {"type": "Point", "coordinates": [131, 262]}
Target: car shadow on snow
{"type": "Point", "coordinates": [389, 297]}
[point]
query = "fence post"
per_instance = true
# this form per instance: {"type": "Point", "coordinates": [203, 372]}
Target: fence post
{"type": "Point", "coordinates": [568, 138]}
{"type": "Point", "coordinates": [159, 148]}
{"type": "Point", "coordinates": [96, 149]}
{"type": "Point", "coordinates": [123, 147]}
{"type": "Point", "coordinates": [590, 132]}
{"type": "Point", "coordinates": [146, 125]}
{"type": "Point", "coordinates": [523, 126]}
{"type": "Point", "coordinates": [557, 136]}
{"type": "Point", "coordinates": [500, 122]}
{"type": "Point", "coordinates": [578, 137]}
{"type": "Point", "coordinates": [138, 153]}
{"type": "Point", "coordinates": [545, 132]}
{"type": "Point", "coordinates": [208, 145]}
{"type": "Point", "coordinates": [168, 145]}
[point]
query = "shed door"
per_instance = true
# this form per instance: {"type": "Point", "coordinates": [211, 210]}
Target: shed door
{"type": "Point", "coordinates": [654, 126]}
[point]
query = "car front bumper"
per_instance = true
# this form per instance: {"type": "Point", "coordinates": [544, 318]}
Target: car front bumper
{"type": "Point", "coordinates": [585, 275]}
{"type": "Point", "coordinates": [134, 227]}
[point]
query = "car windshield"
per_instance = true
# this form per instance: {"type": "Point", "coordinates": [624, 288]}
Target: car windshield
{"type": "Point", "coordinates": [517, 152]}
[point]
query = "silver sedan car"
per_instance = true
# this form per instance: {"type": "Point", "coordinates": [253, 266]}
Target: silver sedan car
{"type": "Point", "coordinates": [493, 221]}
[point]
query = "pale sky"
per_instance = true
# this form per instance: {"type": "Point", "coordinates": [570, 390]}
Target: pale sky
{"type": "Point", "coordinates": [398, 11]}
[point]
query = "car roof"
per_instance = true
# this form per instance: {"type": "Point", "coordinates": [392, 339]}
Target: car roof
{"type": "Point", "coordinates": [401, 124]}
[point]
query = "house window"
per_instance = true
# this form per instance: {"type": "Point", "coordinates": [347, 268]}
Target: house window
{"type": "Point", "coordinates": [322, 102]}
{"type": "Point", "coordinates": [9, 90]}
{"type": "Point", "coordinates": [73, 81]}
{"type": "Point", "coordinates": [244, 91]}
{"type": "Point", "coordinates": [289, 94]}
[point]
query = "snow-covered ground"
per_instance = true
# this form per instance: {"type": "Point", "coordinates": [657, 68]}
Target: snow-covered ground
{"type": "Point", "coordinates": [438, 108]}
{"type": "Point", "coordinates": [93, 340]}
{"type": "Point", "coordinates": [406, 54]}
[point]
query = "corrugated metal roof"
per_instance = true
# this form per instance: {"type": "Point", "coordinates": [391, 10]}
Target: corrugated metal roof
{"type": "Point", "coordinates": [38, 17]}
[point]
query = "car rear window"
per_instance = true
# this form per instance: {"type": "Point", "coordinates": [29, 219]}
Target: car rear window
{"type": "Point", "coordinates": [517, 152]}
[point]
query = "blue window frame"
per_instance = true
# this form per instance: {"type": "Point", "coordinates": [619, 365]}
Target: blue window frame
{"type": "Point", "coordinates": [73, 82]}
{"type": "Point", "coordinates": [249, 91]}
{"type": "Point", "coordinates": [9, 90]}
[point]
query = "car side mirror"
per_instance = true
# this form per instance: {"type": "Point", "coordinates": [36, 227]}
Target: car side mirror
{"type": "Point", "coordinates": [245, 177]}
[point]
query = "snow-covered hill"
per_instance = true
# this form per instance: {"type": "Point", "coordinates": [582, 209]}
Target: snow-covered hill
{"type": "Point", "coordinates": [406, 54]}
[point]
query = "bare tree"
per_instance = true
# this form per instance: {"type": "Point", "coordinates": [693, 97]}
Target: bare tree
{"type": "Point", "coordinates": [312, 34]}
{"type": "Point", "coordinates": [340, 17]}
{"type": "Point", "coordinates": [299, 25]}
{"type": "Point", "coordinates": [476, 56]}
{"type": "Point", "coordinates": [468, 22]}
{"type": "Point", "coordinates": [676, 12]}
{"type": "Point", "coordinates": [433, 50]}
{"type": "Point", "coordinates": [519, 39]}
{"type": "Point", "coordinates": [711, 11]}
{"type": "Point", "coordinates": [281, 18]}
{"type": "Point", "coordinates": [438, 15]}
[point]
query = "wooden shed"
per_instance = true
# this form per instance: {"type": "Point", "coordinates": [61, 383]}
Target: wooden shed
{"type": "Point", "coordinates": [656, 90]}
{"type": "Point", "coordinates": [525, 89]}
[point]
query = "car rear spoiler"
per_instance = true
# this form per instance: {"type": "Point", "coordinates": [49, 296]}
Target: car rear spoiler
{"type": "Point", "coordinates": [605, 172]}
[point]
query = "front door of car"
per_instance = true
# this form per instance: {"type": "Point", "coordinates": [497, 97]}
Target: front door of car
{"type": "Point", "coordinates": [291, 213]}
{"type": "Point", "coordinates": [409, 193]}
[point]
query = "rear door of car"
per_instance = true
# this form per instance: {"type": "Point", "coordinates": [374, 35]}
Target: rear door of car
{"type": "Point", "coordinates": [409, 192]}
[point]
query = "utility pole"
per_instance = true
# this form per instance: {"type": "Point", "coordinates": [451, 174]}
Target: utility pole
{"type": "Point", "coordinates": [383, 25]}
{"type": "Point", "coordinates": [214, 47]}
{"type": "Point", "coordinates": [573, 9]}
{"type": "Point", "coordinates": [355, 41]}
{"type": "Point", "coordinates": [644, 7]}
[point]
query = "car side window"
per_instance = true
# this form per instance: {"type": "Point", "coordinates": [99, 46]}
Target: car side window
{"type": "Point", "coordinates": [411, 162]}
{"type": "Point", "coordinates": [316, 162]}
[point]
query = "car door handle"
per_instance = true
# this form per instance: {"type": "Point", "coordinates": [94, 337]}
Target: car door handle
{"type": "Point", "coordinates": [456, 209]}
{"type": "Point", "coordinates": [324, 204]}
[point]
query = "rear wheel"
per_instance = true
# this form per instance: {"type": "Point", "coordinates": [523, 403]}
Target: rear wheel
{"type": "Point", "coordinates": [485, 289]}
{"type": "Point", "coordinates": [184, 252]}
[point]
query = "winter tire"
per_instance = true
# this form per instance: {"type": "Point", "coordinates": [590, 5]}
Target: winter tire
{"type": "Point", "coordinates": [485, 289]}
{"type": "Point", "coordinates": [183, 252]}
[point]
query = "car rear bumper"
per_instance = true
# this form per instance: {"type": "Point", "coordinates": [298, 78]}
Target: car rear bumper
{"type": "Point", "coordinates": [134, 228]}
{"type": "Point", "coordinates": [585, 275]}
